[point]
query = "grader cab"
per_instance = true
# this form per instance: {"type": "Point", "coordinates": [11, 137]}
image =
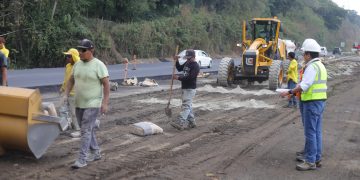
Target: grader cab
{"type": "Point", "coordinates": [262, 57]}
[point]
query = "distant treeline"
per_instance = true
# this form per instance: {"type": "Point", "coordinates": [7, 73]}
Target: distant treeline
{"type": "Point", "coordinates": [38, 31]}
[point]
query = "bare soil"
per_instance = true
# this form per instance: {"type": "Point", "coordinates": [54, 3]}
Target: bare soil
{"type": "Point", "coordinates": [240, 135]}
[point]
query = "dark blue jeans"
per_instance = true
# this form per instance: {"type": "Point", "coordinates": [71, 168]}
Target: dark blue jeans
{"type": "Point", "coordinates": [312, 115]}
{"type": "Point", "coordinates": [301, 108]}
{"type": "Point", "coordinates": [292, 100]}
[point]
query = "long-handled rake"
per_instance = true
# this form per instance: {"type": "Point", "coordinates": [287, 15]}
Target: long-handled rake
{"type": "Point", "coordinates": [168, 111]}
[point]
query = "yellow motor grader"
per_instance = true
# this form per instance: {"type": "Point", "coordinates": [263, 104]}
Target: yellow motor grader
{"type": "Point", "coordinates": [263, 54]}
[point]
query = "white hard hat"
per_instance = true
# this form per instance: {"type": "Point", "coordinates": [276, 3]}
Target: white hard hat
{"type": "Point", "coordinates": [310, 45]}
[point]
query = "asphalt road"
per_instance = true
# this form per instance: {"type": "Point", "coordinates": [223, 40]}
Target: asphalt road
{"type": "Point", "coordinates": [54, 76]}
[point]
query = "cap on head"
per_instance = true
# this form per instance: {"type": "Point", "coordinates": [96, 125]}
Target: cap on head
{"type": "Point", "coordinates": [72, 52]}
{"type": "Point", "coordinates": [86, 44]}
{"type": "Point", "coordinates": [189, 53]}
{"type": "Point", "coordinates": [310, 45]}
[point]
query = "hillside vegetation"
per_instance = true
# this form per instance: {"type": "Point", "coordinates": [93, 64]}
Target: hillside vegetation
{"type": "Point", "coordinates": [38, 31]}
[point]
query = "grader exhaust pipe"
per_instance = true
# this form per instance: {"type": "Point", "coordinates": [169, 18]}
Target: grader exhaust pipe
{"type": "Point", "coordinates": [23, 125]}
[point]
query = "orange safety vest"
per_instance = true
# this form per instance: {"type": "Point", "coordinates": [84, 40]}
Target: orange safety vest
{"type": "Point", "coordinates": [301, 72]}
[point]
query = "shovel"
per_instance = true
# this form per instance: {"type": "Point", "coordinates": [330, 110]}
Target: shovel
{"type": "Point", "coordinates": [168, 111]}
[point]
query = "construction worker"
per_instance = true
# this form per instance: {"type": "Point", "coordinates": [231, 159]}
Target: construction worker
{"type": "Point", "coordinates": [4, 66]}
{"type": "Point", "coordinates": [190, 70]}
{"type": "Point", "coordinates": [91, 79]}
{"type": "Point", "coordinates": [3, 48]}
{"type": "Point", "coordinates": [71, 57]}
{"type": "Point", "coordinates": [292, 79]}
{"type": "Point", "coordinates": [313, 96]}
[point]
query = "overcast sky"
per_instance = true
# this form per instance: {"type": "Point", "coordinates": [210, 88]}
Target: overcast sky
{"type": "Point", "coordinates": [349, 4]}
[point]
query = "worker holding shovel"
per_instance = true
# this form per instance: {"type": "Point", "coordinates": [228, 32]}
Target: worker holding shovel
{"type": "Point", "coordinates": [190, 70]}
{"type": "Point", "coordinates": [68, 108]}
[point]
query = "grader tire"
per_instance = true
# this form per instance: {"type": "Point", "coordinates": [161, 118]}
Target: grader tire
{"type": "Point", "coordinates": [275, 75]}
{"type": "Point", "coordinates": [226, 72]}
{"type": "Point", "coordinates": [286, 64]}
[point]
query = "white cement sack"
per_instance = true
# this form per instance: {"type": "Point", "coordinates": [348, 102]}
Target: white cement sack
{"type": "Point", "coordinates": [148, 83]}
{"type": "Point", "coordinates": [50, 108]}
{"type": "Point", "coordinates": [145, 128]}
{"type": "Point", "coordinates": [114, 86]}
{"type": "Point", "coordinates": [130, 82]}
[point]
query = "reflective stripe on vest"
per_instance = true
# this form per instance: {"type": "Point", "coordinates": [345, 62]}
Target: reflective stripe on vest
{"type": "Point", "coordinates": [317, 91]}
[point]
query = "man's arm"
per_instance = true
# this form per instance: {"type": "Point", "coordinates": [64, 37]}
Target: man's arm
{"type": "Point", "coordinates": [106, 91]}
{"type": "Point", "coordinates": [70, 85]}
{"type": "Point", "coordinates": [177, 64]}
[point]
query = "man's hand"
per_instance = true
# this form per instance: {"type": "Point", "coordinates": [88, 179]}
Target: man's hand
{"type": "Point", "coordinates": [284, 94]}
{"type": "Point", "coordinates": [176, 58]}
{"type": "Point", "coordinates": [63, 99]}
{"type": "Point", "coordinates": [176, 77]}
{"type": "Point", "coordinates": [104, 108]}
{"type": "Point", "coordinates": [61, 92]}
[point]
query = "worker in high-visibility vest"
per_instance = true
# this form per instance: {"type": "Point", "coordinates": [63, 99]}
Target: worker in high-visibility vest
{"type": "Point", "coordinates": [313, 96]}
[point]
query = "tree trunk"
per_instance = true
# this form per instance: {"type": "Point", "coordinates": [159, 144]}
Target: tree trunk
{"type": "Point", "coordinates": [53, 10]}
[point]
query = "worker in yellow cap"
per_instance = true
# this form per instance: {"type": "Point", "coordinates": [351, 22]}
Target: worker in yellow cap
{"type": "Point", "coordinates": [71, 57]}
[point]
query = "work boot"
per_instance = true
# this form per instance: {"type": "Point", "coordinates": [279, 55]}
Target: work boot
{"type": "Point", "coordinates": [305, 166]}
{"type": "Point", "coordinates": [93, 156]}
{"type": "Point", "coordinates": [300, 158]}
{"type": "Point", "coordinates": [75, 134]}
{"type": "Point", "coordinates": [287, 106]}
{"type": "Point", "coordinates": [300, 153]}
{"type": "Point", "coordinates": [192, 124]}
{"type": "Point", "coordinates": [78, 164]}
{"type": "Point", "coordinates": [178, 126]}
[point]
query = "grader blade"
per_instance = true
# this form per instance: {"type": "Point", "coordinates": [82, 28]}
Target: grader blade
{"type": "Point", "coordinates": [23, 125]}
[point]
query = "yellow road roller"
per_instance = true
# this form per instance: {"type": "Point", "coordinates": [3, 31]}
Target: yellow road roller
{"type": "Point", "coordinates": [23, 124]}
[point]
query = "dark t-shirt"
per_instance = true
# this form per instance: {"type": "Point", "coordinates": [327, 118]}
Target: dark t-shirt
{"type": "Point", "coordinates": [190, 71]}
{"type": "Point", "coordinates": [3, 63]}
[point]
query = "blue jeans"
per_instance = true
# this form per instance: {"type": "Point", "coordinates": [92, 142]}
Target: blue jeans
{"type": "Point", "coordinates": [87, 118]}
{"type": "Point", "coordinates": [301, 108]}
{"type": "Point", "coordinates": [187, 115]}
{"type": "Point", "coordinates": [312, 116]}
{"type": "Point", "coordinates": [292, 100]}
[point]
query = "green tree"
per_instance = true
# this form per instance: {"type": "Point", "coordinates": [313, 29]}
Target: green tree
{"type": "Point", "coordinates": [332, 15]}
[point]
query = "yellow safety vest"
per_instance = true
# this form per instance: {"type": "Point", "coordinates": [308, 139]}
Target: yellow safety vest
{"type": "Point", "coordinates": [317, 91]}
